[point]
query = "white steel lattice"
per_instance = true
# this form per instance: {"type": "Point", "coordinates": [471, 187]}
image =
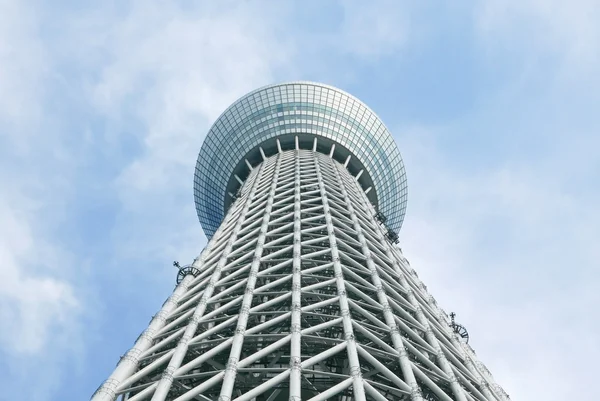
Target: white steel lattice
{"type": "Point", "coordinates": [299, 295]}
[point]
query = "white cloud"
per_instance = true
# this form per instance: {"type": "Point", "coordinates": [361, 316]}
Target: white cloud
{"type": "Point", "coordinates": [514, 253]}
{"type": "Point", "coordinates": [34, 300]}
{"type": "Point", "coordinates": [518, 233]}
{"type": "Point", "coordinates": [171, 71]}
{"type": "Point", "coordinates": [22, 70]}
{"type": "Point", "coordinates": [373, 29]}
{"type": "Point", "coordinates": [542, 28]}
{"type": "Point", "coordinates": [40, 307]}
{"type": "Point", "coordinates": [34, 306]}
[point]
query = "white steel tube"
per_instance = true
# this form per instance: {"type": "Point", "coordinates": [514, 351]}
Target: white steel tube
{"type": "Point", "coordinates": [413, 386]}
{"type": "Point", "coordinates": [296, 307]}
{"type": "Point", "coordinates": [359, 391]}
{"type": "Point", "coordinates": [325, 395]}
{"type": "Point", "coordinates": [166, 380]}
{"type": "Point", "coordinates": [238, 339]}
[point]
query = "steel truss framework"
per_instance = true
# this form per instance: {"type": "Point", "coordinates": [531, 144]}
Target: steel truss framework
{"type": "Point", "coordinates": [300, 296]}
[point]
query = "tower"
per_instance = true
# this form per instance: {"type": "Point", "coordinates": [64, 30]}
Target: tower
{"type": "Point", "coordinates": [301, 292]}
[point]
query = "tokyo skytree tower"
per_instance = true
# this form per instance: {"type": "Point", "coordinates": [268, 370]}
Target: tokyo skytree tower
{"type": "Point", "coordinates": [301, 292]}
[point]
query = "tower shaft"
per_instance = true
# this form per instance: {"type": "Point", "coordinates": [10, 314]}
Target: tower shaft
{"type": "Point", "coordinates": [300, 295]}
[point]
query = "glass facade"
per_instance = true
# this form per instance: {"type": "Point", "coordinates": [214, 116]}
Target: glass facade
{"type": "Point", "coordinates": [298, 108]}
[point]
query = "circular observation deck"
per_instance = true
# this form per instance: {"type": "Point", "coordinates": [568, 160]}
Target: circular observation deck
{"type": "Point", "coordinates": [249, 129]}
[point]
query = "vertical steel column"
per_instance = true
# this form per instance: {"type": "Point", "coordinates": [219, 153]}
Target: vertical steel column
{"type": "Point", "coordinates": [457, 390]}
{"type": "Point", "coordinates": [238, 338]}
{"type": "Point", "coordinates": [166, 380]}
{"type": "Point", "coordinates": [295, 329]}
{"type": "Point", "coordinates": [405, 364]}
{"type": "Point", "coordinates": [351, 349]}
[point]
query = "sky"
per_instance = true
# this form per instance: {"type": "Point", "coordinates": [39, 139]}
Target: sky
{"type": "Point", "coordinates": [104, 106]}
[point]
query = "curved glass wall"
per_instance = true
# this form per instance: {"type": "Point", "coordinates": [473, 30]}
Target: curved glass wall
{"type": "Point", "coordinates": [298, 108]}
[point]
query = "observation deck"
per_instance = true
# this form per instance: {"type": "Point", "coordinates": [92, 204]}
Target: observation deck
{"type": "Point", "coordinates": [322, 118]}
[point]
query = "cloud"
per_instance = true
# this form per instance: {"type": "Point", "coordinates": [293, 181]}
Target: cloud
{"type": "Point", "coordinates": [21, 71]}
{"type": "Point", "coordinates": [35, 299]}
{"type": "Point", "coordinates": [505, 192]}
{"type": "Point", "coordinates": [32, 304]}
{"type": "Point", "coordinates": [374, 29]}
{"type": "Point", "coordinates": [566, 32]}
{"type": "Point", "coordinates": [40, 303]}
{"type": "Point", "coordinates": [167, 73]}
{"type": "Point", "coordinates": [510, 244]}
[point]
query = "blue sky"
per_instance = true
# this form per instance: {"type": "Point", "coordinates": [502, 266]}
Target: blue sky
{"type": "Point", "coordinates": [104, 106]}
